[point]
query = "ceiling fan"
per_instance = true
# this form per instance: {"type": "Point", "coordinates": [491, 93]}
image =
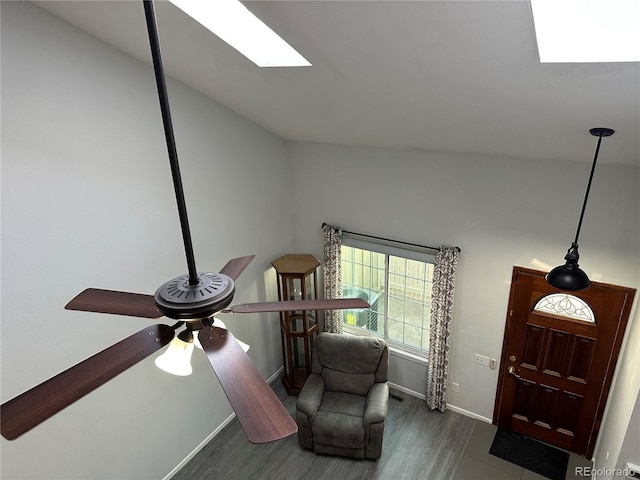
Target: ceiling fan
{"type": "Point", "coordinates": [192, 299]}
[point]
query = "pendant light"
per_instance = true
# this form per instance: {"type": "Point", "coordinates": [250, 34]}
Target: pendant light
{"type": "Point", "coordinates": [569, 276]}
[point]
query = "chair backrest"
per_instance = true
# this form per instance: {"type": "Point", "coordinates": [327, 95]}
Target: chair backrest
{"type": "Point", "coordinates": [348, 363]}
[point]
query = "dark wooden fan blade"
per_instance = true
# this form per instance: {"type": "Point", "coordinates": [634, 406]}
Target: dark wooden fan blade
{"type": "Point", "coordinates": [262, 416]}
{"type": "Point", "coordinates": [235, 267]}
{"type": "Point", "coordinates": [33, 407]}
{"type": "Point", "coordinates": [118, 303]}
{"type": "Point", "coordinates": [291, 305]}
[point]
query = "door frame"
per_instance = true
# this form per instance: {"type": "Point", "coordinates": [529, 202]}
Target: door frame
{"type": "Point", "coordinates": [610, 370]}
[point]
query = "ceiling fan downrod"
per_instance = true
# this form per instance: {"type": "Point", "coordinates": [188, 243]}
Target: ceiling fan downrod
{"type": "Point", "coordinates": [196, 295]}
{"type": "Point", "coordinates": [171, 144]}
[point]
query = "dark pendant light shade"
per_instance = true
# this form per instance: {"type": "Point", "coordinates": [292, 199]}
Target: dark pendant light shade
{"type": "Point", "coordinates": [569, 276]}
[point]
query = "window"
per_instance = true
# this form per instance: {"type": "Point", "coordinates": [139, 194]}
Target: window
{"type": "Point", "coordinates": [566, 305]}
{"type": "Point", "coordinates": [396, 281]}
{"type": "Point", "coordinates": [586, 31]}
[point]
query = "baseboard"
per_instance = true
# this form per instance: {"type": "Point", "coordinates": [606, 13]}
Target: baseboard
{"type": "Point", "coordinates": [193, 453]}
{"type": "Point", "coordinates": [467, 413]}
{"type": "Point", "coordinates": [275, 375]}
{"type": "Point", "coordinates": [453, 408]}
{"type": "Point", "coordinates": [406, 390]}
{"type": "Point", "coordinates": [213, 434]}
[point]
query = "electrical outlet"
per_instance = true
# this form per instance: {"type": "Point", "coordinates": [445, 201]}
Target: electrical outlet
{"type": "Point", "coordinates": [455, 387]}
{"type": "Point", "coordinates": [481, 360]}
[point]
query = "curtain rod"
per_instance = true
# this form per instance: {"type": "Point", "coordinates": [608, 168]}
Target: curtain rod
{"type": "Point", "coordinates": [391, 240]}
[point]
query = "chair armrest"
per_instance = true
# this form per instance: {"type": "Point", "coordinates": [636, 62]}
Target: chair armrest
{"type": "Point", "coordinates": [375, 410]}
{"type": "Point", "coordinates": [311, 395]}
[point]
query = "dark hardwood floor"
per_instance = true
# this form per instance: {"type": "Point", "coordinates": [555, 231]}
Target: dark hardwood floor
{"type": "Point", "coordinates": [418, 444]}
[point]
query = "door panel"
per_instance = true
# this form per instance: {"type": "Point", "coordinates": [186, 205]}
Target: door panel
{"type": "Point", "coordinates": [582, 350]}
{"type": "Point", "coordinates": [555, 357]}
{"type": "Point", "coordinates": [532, 346]}
{"type": "Point", "coordinates": [558, 360]}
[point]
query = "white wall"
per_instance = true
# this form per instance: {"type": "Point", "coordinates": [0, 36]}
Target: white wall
{"type": "Point", "coordinates": [619, 440]}
{"type": "Point", "coordinates": [501, 212]}
{"type": "Point", "coordinates": [87, 201]}
{"type": "Point", "coordinates": [630, 449]}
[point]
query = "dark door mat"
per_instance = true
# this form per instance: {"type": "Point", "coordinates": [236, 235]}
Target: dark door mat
{"type": "Point", "coordinates": [530, 454]}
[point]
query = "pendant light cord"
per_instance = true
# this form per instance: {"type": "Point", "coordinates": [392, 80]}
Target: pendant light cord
{"type": "Point", "coordinates": [586, 195]}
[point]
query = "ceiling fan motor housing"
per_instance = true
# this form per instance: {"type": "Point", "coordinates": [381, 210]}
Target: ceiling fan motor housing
{"type": "Point", "coordinates": [180, 300]}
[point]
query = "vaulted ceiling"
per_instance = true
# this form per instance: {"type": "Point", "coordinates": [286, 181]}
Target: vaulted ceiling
{"type": "Point", "coordinates": [458, 76]}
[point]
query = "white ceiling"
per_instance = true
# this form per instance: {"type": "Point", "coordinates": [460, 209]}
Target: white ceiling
{"type": "Point", "coordinates": [458, 76]}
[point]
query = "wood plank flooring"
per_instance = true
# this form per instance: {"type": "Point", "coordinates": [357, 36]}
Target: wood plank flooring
{"type": "Point", "coordinates": [418, 444]}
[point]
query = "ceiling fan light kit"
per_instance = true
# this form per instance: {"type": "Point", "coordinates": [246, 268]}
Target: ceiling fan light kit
{"type": "Point", "coordinates": [569, 276]}
{"type": "Point", "coordinates": [176, 360]}
{"type": "Point", "coordinates": [192, 299]}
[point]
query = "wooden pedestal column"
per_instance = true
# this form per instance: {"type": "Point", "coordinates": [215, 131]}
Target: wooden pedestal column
{"type": "Point", "coordinates": [297, 280]}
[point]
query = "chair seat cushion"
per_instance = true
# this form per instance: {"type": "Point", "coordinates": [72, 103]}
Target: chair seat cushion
{"type": "Point", "coordinates": [339, 420]}
{"type": "Point", "coordinates": [344, 403]}
{"type": "Point", "coordinates": [338, 429]}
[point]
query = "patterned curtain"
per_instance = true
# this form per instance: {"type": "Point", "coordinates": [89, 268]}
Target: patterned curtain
{"type": "Point", "coordinates": [444, 276]}
{"type": "Point", "coordinates": [332, 276]}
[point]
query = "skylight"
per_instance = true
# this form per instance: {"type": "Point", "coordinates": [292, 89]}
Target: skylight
{"type": "Point", "coordinates": [586, 31]}
{"type": "Point", "coordinates": [241, 29]}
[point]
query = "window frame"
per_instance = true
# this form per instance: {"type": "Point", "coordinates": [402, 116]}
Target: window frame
{"type": "Point", "coordinates": [397, 249]}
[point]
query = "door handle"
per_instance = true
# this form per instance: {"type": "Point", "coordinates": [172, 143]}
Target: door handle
{"type": "Point", "coordinates": [512, 371]}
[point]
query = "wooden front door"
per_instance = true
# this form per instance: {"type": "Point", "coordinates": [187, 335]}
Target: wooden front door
{"type": "Point", "coordinates": [558, 357]}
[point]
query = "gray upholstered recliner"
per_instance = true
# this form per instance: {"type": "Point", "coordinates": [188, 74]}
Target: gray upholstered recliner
{"type": "Point", "coordinates": [343, 404]}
